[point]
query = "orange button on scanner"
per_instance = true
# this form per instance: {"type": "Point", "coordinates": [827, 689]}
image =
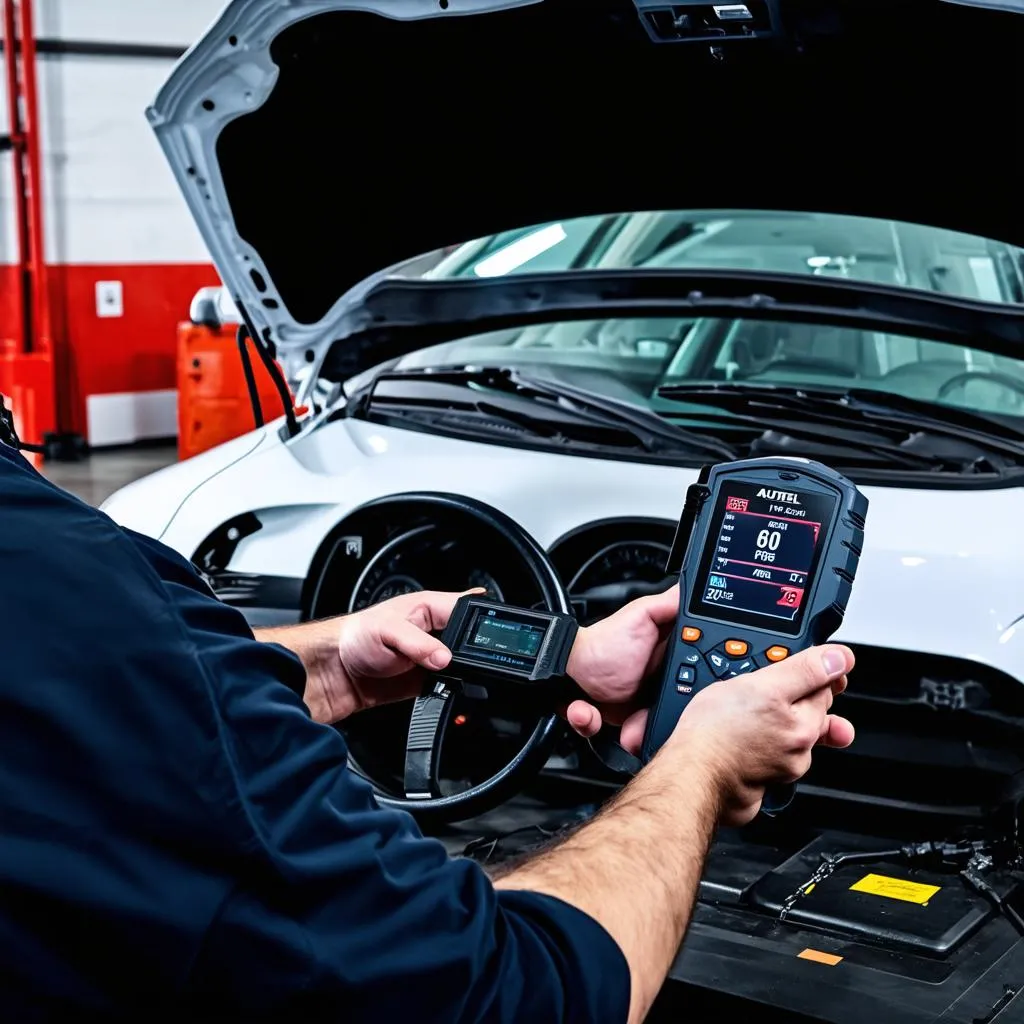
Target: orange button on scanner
{"type": "Point", "coordinates": [736, 648]}
{"type": "Point", "coordinates": [691, 634]}
{"type": "Point", "coordinates": [777, 653]}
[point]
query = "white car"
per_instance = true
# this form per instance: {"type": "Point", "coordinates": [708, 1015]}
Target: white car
{"type": "Point", "coordinates": [528, 415]}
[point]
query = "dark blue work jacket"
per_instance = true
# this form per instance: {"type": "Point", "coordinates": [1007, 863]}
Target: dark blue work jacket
{"type": "Point", "coordinates": [179, 840]}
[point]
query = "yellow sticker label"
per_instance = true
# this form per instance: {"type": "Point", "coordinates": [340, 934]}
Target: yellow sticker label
{"type": "Point", "coordinates": [816, 955]}
{"type": "Point", "coordinates": [896, 888]}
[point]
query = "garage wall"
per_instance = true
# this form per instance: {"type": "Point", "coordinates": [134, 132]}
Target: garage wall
{"type": "Point", "coordinates": [124, 256]}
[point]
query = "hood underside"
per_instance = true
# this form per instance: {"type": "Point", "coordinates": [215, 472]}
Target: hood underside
{"type": "Point", "coordinates": [320, 142]}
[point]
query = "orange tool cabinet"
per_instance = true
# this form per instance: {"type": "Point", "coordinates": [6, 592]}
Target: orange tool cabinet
{"type": "Point", "coordinates": [213, 400]}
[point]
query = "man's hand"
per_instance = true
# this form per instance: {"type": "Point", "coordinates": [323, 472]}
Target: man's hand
{"type": "Point", "coordinates": [611, 659]}
{"type": "Point", "coordinates": [371, 657]}
{"type": "Point", "coordinates": [636, 867]}
{"type": "Point", "coordinates": [761, 728]}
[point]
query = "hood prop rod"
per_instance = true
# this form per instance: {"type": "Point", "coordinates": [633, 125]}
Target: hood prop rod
{"type": "Point", "coordinates": [263, 351]}
{"type": "Point", "coordinates": [250, 377]}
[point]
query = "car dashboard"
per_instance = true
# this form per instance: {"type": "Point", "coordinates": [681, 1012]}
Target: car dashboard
{"type": "Point", "coordinates": [407, 546]}
{"type": "Point", "coordinates": [602, 565]}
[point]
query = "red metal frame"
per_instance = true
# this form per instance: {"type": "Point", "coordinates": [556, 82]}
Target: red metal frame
{"type": "Point", "coordinates": [27, 375]}
{"type": "Point", "coordinates": [23, 116]}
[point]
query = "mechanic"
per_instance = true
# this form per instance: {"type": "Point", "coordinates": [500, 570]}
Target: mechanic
{"type": "Point", "coordinates": [181, 837]}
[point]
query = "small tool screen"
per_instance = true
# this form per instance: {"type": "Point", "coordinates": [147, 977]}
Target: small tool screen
{"type": "Point", "coordinates": [761, 555]}
{"type": "Point", "coordinates": [504, 634]}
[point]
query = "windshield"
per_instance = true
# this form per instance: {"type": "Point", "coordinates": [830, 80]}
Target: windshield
{"type": "Point", "coordinates": [632, 359]}
{"type": "Point", "coordinates": [858, 248]}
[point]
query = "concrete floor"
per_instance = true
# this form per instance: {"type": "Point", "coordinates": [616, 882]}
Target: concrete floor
{"type": "Point", "coordinates": [94, 479]}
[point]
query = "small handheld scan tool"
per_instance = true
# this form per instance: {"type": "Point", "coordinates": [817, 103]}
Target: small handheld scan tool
{"type": "Point", "coordinates": [767, 551]}
{"type": "Point", "coordinates": [498, 651]}
{"type": "Point", "coordinates": [496, 642]}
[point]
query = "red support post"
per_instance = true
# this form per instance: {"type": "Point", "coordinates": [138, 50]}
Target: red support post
{"type": "Point", "coordinates": [27, 368]}
{"type": "Point", "coordinates": [41, 339]}
{"type": "Point", "coordinates": [14, 120]}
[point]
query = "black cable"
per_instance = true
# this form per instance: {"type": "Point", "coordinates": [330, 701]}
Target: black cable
{"type": "Point", "coordinates": [973, 876]}
{"type": "Point", "coordinates": [491, 842]}
{"type": "Point", "coordinates": [838, 860]}
{"type": "Point", "coordinates": [273, 369]}
{"type": "Point", "coordinates": [282, 388]}
{"type": "Point", "coordinates": [945, 853]}
{"type": "Point", "coordinates": [250, 377]}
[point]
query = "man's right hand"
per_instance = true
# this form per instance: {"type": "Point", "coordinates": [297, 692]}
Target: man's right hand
{"type": "Point", "coordinates": [636, 867]}
{"type": "Point", "coordinates": [761, 728]}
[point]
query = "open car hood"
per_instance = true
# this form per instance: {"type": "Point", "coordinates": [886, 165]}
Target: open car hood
{"type": "Point", "coordinates": [321, 143]}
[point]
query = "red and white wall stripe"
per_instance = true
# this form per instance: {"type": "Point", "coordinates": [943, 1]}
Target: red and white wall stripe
{"type": "Point", "coordinates": [123, 256]}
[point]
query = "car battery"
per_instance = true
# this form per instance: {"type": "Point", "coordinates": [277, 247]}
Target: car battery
{"type": "Point", "coordinates": [925, 911]}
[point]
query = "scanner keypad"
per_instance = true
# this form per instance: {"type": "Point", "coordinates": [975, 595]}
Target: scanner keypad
{"type": "Point", "coordinates": [686, 674]}
{"type": "Point", "coordinates": [719, 662]}
{"type": "Point", "coordinates": [741, 667]}
{"type": "Point", "coordinates": [730, 659]}
{"type": "Point", "coordinates": [726, 660]}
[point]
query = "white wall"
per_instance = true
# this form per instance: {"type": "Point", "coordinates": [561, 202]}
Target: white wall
{"type": "Point", "coordinates": [109, 197]}
{"type": "Point", "coordinates": [126, 21]}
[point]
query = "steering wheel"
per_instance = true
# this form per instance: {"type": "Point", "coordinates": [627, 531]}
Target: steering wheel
{"type": "Point", "coordinates": [432, 710]}
{"type": "Point", "coordinates": [963, 378]}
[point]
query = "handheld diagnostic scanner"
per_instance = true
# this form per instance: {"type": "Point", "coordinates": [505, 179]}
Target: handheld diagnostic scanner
{"type": "Point", "coordinates": [767, 552]}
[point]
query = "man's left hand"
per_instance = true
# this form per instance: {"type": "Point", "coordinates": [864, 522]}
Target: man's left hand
{"type": "Point", "coordinates": [376, 656]}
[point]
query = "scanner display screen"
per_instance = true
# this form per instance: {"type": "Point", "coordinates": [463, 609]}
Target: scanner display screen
{"type": "Point", "coordinates": [761, 554]}
{"type": "Point", "coordinates": [503, 638]}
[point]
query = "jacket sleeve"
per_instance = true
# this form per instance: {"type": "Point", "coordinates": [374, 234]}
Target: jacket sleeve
{"type": "Point", "coordinates": [342, 909]}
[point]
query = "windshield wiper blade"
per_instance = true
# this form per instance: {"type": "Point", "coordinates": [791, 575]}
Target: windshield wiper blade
{"type": "Point", "coordinates": [879, 411]}
{"type": "Point", "coordinates": [920, 409]}
{"type": "Point", "coordinates": [622, 412]}
{"type": "Point", "coordinates": [848, 428]}
{"type": "Point", "coordinates": [536, 404]}
{"type": "Point", "coordinates": [777, 428]}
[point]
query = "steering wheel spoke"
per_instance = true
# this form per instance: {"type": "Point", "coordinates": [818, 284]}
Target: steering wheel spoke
{"type": "Point", "coordinates": [430, 716]}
